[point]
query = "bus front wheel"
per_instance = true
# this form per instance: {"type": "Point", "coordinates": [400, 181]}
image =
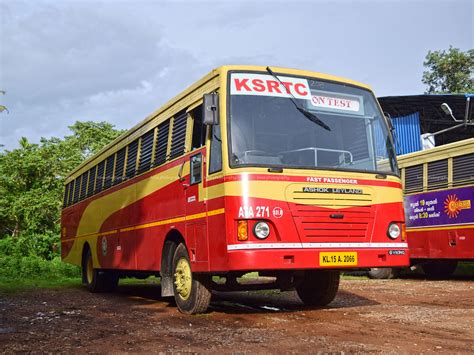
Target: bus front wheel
{"type": "Point", "coordinates": [191, 291]}
{"type": "Point", "coordinates": [318, 287]}
{"type": "Point", "coordinates": [97, 280]}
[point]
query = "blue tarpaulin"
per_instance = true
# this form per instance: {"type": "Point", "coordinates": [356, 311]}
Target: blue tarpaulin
{"type": "Point", "coordinates": [407, 129]}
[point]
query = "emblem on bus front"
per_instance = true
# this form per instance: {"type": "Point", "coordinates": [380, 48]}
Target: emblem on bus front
{"type": "Point", "coordinates": [277, 212]}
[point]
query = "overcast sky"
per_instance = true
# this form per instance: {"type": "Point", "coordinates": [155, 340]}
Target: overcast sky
{"type": "Point", "coordinates": [117, 61]}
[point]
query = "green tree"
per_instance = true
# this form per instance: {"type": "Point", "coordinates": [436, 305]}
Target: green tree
{"type": "Point", "coordinates": [449, 71]}
{"type": "Point", "coordinates": [32, 178]}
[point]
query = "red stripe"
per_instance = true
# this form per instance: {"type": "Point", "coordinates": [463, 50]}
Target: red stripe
{"type": "Point", "coordinates": [264, 177]}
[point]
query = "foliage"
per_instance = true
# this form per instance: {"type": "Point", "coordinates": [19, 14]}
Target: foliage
{"type": "Point", "coordinates": [35, 266]}
{"type": "Point", "coordinates": [23, 273]}
{"type": "Point", "coordinates": [31, 187]}
{"type": "Point", "coordinates": [449, 71]}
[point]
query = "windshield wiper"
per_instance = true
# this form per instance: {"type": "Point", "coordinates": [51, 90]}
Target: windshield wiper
{"type": "Point", "coordinates": [311, 116]}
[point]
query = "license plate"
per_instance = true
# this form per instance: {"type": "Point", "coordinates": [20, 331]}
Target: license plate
{"type": "Point", "coordinates": [337, 258]}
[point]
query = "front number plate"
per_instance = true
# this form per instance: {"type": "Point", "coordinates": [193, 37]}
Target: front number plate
{"type": "Point", "coordinates": [337, 258]}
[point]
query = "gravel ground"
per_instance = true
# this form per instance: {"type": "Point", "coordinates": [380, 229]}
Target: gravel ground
{"type": "Point", "coordinates": [369, 316]}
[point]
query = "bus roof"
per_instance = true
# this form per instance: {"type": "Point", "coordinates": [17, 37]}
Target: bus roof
{"type": "Point", "coordinates": [462, 147]}
{"type": "Point", "coordinates": [222, 70]}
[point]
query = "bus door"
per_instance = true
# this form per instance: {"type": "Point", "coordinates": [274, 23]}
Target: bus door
{"type": "Point", "coordinates": [195, 195]}
{"type": "Point", "coordinates": [196, 212]}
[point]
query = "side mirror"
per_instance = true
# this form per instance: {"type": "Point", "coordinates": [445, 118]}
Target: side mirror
{"type": "Point", "coordinates": [210, 115]}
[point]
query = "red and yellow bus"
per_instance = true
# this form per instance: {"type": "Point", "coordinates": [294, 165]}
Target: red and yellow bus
{"type": "Point", "coordinates": [439, 206]}
{"type": "Point", "coordinates": [286, 172]}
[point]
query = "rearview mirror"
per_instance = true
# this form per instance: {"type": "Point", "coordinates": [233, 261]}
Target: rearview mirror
{"type": "Point", "coordinates": [210, 115]}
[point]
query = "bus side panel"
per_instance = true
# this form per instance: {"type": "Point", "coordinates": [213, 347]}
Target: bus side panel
{"type": "Point", "coordinates": [216, 227]}
{"type": "Point", "coordinates": [442, 244]}
{"type": "Point", "coordinates": [440, 224]}
{"type": "Point", "coordinates": [110, 220]}
{"type": "Point", "coordinates": [71, 247]}
{"type": "Point", "coordinates": [143, 226]}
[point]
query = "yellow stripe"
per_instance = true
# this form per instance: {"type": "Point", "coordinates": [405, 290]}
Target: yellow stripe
{"type": "Point", "coordinates": [439, 228]}
{"type": "Point", "coordinates": [214, 212]}
{"type": "Point", "coordinates": [195, 216]}
{"type": "Point", "coordinates": [152, 224]}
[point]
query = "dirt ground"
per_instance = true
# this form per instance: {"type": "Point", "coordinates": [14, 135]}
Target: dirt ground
{"type": "Point", "coordinates": [377, 316]}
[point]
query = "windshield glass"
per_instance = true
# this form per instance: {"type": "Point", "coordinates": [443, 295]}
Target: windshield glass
{"type": "Point", "coordinates": [267, 129]}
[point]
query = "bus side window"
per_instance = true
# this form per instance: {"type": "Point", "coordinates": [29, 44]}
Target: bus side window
{"type": "Point", "coordinates": [463, 170]}
{"type": "Point", "coordinates": [90, 184]}
{"type": "Point", "coordinates": [99, 183]}
{"type": "Point", "coordinates": [66, 194]}
{"type": "Point", "coordinates": [109, 171]}
{"type": "Point", "coordinates": [70, 198]}
{"type": "Point", "coordinates": [161, 143]}
{"type": "Point", "coordinates": [77, 184]}
{"type": "Point", "coordinates": [196, 169]}
{"type": "Point", "coordinates": [146, 151]}
{"type": "Point", "coordinates": [178, 134]}
{"type": "Point", "coordinates": [414, 178]}
{"type": "Point", "coordinates": [119, 165]}
{"type": "Point", "coordinates": [84, 178]}
{"type": "Point", "coordinates": [199, 131]}
{"type": "Point", "coordinates": [215, 159]}
{"type": "Point", "coordinates": [131, 167]}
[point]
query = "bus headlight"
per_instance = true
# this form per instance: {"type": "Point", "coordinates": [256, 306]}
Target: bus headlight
{"type": "Point", "coordinates": [393, 230]}
{"type": "Point", "coordinates": [261, 230]}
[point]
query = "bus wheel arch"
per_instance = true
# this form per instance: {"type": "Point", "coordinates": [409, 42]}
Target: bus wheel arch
{"type": "Point", "coordinates": [172, 240]}
{"type": "Point", "coordinates": [96, 280]}
{"type": "Point", "coordinates": [85, 250]}
{"type": "Point", "coordinates": [192, 292]}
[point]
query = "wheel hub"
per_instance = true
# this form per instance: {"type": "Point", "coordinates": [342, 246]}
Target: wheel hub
{"type": "Point", "coordinates": [90, 271]}
{"type": "Point", "coordinates": [183, 278]}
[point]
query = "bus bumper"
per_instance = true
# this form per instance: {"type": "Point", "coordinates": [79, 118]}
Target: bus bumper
{"type": "Point", "coordinates": [286, 259]}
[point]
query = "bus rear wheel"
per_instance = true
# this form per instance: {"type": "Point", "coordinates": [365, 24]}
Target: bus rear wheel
{"type": "Point", "coordinates": [318, 287]}
{"type": "Point", "coordinates": [191, 291]}
{"type": "Point", "coordinates": [440, 269]}
{"type": "Point", "coordinates": [97, 280]}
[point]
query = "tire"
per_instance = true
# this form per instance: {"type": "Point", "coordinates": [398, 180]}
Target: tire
{"type": "Point", "coordinates": [318, 287]}
{"type": "Point", "coordinates": [97, 280]}
{"type": "Point", "coordinates": [191, 291]}
{"type": "Point", "coordinates": [380, 273]}
{"type": "Point", "coordinates": [440, 269]}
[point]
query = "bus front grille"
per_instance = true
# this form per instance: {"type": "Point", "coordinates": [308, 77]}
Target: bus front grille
{"type": "Point", "coordinates": [332, 217]}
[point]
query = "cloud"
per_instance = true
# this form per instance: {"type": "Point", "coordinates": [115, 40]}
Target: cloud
{"type": "Point", "coordinates": [118, 61]}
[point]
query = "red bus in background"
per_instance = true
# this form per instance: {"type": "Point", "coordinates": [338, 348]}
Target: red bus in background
{"type": "Point", "coordinates": [439, 206]}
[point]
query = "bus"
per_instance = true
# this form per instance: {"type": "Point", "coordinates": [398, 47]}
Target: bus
{"type": "Point", "coordinates": [439, 206]}
{"type": "Point", "coordinates": [438, 181]}
{"type": "Point", "coordinates": [284, 172]}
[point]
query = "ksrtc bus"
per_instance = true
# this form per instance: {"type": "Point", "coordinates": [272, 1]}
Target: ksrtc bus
{"type": "Point", "coordinates": [286, 172]}
{"type": "Point", "coordinates": [439, 206]}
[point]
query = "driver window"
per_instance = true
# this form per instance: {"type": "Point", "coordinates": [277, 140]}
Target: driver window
{"type": "Point", "coordinates": [199, 131]}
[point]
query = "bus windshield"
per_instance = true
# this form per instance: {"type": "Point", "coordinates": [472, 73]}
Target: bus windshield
{"type": "Point", "coordinates": [268, 130]}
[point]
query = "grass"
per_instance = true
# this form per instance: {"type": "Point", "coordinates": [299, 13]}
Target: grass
{"type": "Point", "coordinates": [24, 273]}
{"type": "Point", "coordinates": [9, 285]}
